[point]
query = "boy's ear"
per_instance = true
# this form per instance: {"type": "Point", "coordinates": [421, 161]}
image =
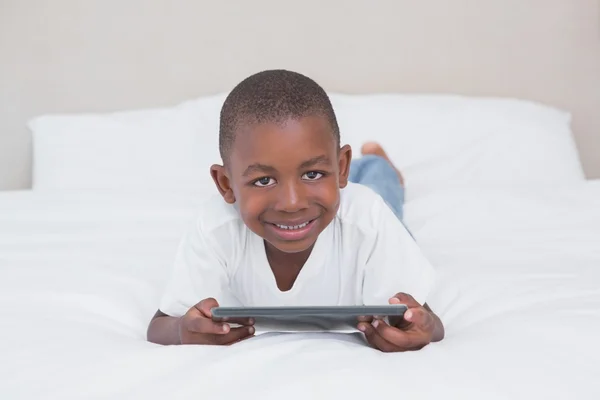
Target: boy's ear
{"type": "Point", "coordinates": [344, 165]}
{"type": "Point", "coordinates": [219, 175]}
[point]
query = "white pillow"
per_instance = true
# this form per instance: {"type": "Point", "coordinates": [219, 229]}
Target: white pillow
{"type": "Point", "coordinates": [436, 141]}
{"type": "Point", "coordinates": [440, 141]}
{"type": "Point", "coordinates": [157, 149]}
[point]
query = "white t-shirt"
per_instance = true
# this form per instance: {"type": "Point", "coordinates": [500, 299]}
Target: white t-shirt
{"type": "Point", "coordinates": [364, 257]}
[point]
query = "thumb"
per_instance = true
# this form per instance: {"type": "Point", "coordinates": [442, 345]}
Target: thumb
{"type": "Point", "coordinates": [206, 305]}
{"type": "Point", "coordinates": [403, 298]}
{"type": "Point", "coordinates": [419, 317]}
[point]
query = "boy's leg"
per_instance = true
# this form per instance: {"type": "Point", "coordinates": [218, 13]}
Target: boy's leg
{"type": "Point", "coordinates": [375, 148]}
{"type": "Point", "coordinates": [378, 173]}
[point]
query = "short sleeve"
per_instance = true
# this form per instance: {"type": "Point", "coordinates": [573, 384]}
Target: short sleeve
{"type": "Point", "coordinates": [396, 264]}
{"type": "Point", "coordinates": [198, 273]}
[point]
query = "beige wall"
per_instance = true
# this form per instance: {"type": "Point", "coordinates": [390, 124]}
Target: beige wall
{"type": "Point", "coordinates": [96, 55]}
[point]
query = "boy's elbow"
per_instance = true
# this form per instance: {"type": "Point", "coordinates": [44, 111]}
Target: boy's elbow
{"type": "Point", "coordinates": [151, 333]}
{"type": "Point", "coordinates": [162, 329]}
{"type": "Point", "coordinates": [439, 332]}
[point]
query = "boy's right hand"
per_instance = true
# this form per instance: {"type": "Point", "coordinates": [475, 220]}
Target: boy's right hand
{"type": "Point", "coordinates": [198, 327]}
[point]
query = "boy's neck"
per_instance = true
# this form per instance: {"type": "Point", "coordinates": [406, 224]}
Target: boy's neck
{"type": "Point", "coordinates": [286, 266]}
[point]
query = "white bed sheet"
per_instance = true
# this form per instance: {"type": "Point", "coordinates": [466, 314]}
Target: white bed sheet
{"type": "Point", "coordinates": [519, 292]}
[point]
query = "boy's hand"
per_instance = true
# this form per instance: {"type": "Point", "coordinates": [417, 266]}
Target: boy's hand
{"type": "Point", "coordinates": [198, 327]}
{"type": "Point", "coordinates": [412, 332]}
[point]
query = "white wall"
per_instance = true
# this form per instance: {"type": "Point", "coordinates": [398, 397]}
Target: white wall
{"type": "Point", "coordinates": [95, 55]}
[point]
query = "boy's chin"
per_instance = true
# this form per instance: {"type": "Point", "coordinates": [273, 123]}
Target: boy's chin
{"type": "Point", "coordinates": [292, 247]}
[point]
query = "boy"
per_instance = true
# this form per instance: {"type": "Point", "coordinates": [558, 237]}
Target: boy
{"type": "Point", "coordinates": [283, 233]}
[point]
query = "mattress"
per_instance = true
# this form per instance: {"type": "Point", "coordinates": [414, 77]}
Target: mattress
{"type": "Point", "coordinates": [81, 274]}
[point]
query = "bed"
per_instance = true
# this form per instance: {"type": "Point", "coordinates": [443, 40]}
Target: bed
{"type": "Point", "coordinates": [502, 210]}
{"type": "Point", "coordinates": [82, 273]}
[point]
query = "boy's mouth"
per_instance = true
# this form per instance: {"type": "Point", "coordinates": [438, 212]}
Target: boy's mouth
{"type": "Point", "coordinates": [292, 227]}
{"type": "Point", "coordinates": [292, 231]}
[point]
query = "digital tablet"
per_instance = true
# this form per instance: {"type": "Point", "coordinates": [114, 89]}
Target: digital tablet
{"type": "Point", "coordinates": [316, 318]}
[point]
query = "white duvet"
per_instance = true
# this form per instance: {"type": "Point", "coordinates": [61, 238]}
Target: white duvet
{"type": "Point", "coordinates": [519, 293]}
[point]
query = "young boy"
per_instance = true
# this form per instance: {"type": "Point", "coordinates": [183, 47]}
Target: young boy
{"type": "Point", "coordinates": [283, 233]}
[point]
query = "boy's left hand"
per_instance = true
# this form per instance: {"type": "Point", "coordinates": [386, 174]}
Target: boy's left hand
{"type": "Point", "coordinates": [412, 332]}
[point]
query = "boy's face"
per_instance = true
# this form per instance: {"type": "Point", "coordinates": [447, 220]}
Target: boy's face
{"type": "Point", "coordinates": [285, 180]}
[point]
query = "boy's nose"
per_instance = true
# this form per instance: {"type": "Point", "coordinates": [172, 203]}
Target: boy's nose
{"type": "Point", "coordinates": [291, 198]}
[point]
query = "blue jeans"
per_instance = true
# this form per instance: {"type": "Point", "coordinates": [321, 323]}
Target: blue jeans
{"type": "Point", "coordinates": [376, 173]}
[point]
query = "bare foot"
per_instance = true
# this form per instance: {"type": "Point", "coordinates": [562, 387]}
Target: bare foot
{"type": "Point", "coordinates": [375, 148]}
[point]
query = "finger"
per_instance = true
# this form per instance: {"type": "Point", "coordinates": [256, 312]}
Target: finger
{"type": "Point", "coordinates": [411, 339]}
{"type": "Point", "coordinates": [205, 306]}
{"type": "Point", "coordinates": [234, 335]}
{"type": "Point", "coordinates": [250, 335]}
{"type": "Point", "coordinates": [399, 322]}
{"type": "Point", "coordinates": [420, 318]}
{"type": "Point", "coordinates": [417, 316]}
{"type": "Point", "coordinates": [201, 324]}
{"type": "Point", "coordinates": [410, 302]}
{"type": "Point", "coordinates": [403, 298]}
{"type": "Point", "coordinates": [237, 321]}
{"type": "Point", "coordinates": [374, 338]}
{"type": "Point", "coordinates": [400, 339]}
{"type": "Point", "coordinates": [369, 318]}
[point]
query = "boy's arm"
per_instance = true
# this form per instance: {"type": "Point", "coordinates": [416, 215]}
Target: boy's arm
{"type": "Point", "coordinates": [164, 329]}
{"type": "Point", "coordinates": [196, 326]}
{"type": "Point", "coordinates": [199, 277]}
{"type": "Point", "coordinates": [397, 265]}
{"type": "Point", "coordinates": [419, 327]}
{"type": "Point", "coordinates": [438, 328]}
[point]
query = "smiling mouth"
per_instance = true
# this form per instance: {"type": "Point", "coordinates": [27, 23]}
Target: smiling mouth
{"type": "Point", "coordinates": [294, 227]}
{"type": "Point", "coordinates": [293, 232]}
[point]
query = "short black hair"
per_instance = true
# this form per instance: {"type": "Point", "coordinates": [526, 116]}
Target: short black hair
{"type": "Point", "coordinates": [273, 96]}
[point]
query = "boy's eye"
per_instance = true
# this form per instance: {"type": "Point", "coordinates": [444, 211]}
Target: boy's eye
{"type": "Point", "coordinates": [312, 175]}
{"type": "Point", "coordinates": [265, 181]}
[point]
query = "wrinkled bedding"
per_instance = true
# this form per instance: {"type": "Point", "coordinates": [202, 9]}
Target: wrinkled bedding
{"type": "Point", "coordinates": [519, 293]}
